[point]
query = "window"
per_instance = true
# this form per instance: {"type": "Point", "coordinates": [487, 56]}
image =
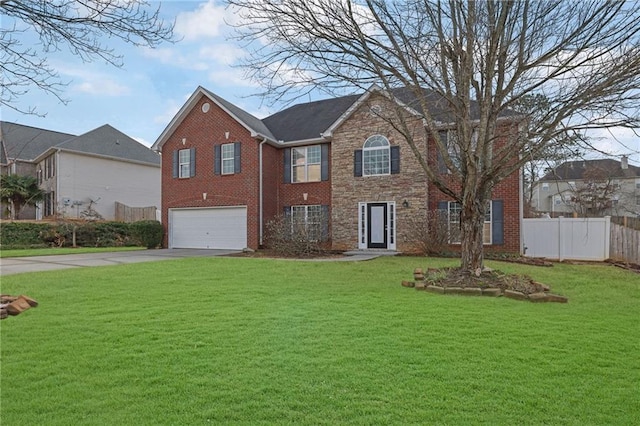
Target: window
{"type": "Point", "coordinates": [545, 186]}
{"type": "Point", "coordinates": [184, 163]}
{"type": "Point", "coordinates": [305, 164]}
{"type": "Point", "coordinates": [309, 221]}
{"type": "Point", "coordinates": [376, 158]}
{"type": "Point", "coordinates": [454, 210]}
{"type": "Point", "coordinates": [49, 204]}
{"type": "Point", "coordinates": [450, 139]}
{"type": "Point", "coordinates": [228, 159]}
{"type": "Point", "coordinates": [637, 183]}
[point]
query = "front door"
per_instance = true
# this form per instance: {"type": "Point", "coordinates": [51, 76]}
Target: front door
{"type": "Point", "coordinates": [377, 225]}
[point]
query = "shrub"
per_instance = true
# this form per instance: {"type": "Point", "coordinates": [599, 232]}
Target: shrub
{"type": "Point", "coordinates": [296, 238]}
{"type": "Point", "coordinates": [431, 232]}
{"type": "Point", "coordinates": [113, 234]}
{"type": "Point", "coordinates": [22, 234]}
{"type": "Point", "coordinates": [147, 233]}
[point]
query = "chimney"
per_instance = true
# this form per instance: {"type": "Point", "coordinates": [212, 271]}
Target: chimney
{"type": "Point", "coordinates": [624, 162]}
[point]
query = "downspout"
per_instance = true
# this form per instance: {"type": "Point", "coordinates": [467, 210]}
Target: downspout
{"type": "Point", "coordinates": [260, 190]}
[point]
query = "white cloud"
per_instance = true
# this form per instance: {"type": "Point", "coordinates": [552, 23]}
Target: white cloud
{"type": "Point", "coordinates": [207, 21]}
{"type": "Point", "coordinates": [102, 87]}
{"type": "Point", "coordinates": [224, 54]}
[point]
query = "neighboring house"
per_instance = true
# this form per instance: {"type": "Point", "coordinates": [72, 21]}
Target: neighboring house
{"type": "Point", "coordinates": [226, 173]}
{"type": "Point", "coordinates": [82, 175]}
{"type": "Point", "coordinates": [594, 188]}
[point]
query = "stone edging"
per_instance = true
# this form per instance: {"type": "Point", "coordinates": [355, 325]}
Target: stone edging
{"type": "Point", "coordinates": [542, 295]}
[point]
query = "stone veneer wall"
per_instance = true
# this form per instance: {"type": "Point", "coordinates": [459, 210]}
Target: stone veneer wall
{"type": "Point", "coordinates": [347, 191]}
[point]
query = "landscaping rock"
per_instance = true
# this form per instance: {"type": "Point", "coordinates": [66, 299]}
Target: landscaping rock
{"type": "Point", "coordinates": [492, 292]}
{"type": "Point", "coordinates": [512, 294]}
{"type": "Point", "coordinates": [14, 305]}
{"type": "Point", "coordinates": [472, 291]}
{"type": "Point", "coordinates": [453, 290]}
{"type": "Point", "coordinates": [420, 286]}
{"type": "Point", "coordinates": [538, 297]}
{"type": "Point", "coordinates": [434, 289]}
{"type": "Point", "coordinates": [408, 284]}
{"type": "Point", "coordinates": [557, 298]}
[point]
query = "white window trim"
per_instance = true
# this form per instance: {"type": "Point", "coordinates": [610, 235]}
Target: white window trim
{"type": "Point", "coordinates": [186, 163]}
{"type": "Point", "coordinates": [306, 164]}
{"type": "Point", "coordinates": [305, 208]}
{"type": "Point", "coordinates": [226, 159]}
{"type": "Point", "coordinates": [366, 149]}
{"type": "Point", "coordinates": [489, 222]}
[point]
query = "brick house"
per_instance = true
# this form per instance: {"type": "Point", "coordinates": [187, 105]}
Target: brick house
{"type": "Point", "coordinates": [226, 173]}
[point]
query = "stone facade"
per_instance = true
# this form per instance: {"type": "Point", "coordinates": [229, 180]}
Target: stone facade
{"type": "Point", "coordinates": [347, 190]}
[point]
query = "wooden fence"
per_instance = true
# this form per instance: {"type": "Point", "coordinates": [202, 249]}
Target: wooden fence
{"type": "Point", "coordinates": [625, 244]}
{"type": "Point", "coordinates": [128, 214]}
{"type": "Point", "coordinates": [629, 222]}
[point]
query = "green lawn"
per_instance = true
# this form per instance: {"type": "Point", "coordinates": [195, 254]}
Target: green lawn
{"type": "Point", "coordinates": [259, 341]}
{"type": "Point", "coordinates": [62, 250]}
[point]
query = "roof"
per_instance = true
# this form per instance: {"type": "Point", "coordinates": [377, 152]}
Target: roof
{"type": "Point", "coordinates": [312, 120]}
{"type": "Point", "coordinates": [27, 143]}
{"type": "Point", "coordinates": [30, 143]}
{"type": "Point", "coordinates": [107, 141]}
{"type": "Point", "coordinates": [308, 120]}
{"type": "Point", "coordinates": [574, 170]}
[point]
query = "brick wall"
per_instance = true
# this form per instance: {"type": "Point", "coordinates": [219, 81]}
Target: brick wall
{"type": "Point", "coordinates": [202, 131]}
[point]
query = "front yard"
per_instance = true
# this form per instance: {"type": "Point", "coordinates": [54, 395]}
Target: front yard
{"type": "Point", "coordinates": [260, 341]}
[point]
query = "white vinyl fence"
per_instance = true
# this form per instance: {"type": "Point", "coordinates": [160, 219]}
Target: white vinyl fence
{"type": "Point", "coordinates": [567, 238]}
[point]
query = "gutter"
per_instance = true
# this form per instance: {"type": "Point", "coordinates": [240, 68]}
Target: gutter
{"type": "Point", "coordinates": [260, 190]}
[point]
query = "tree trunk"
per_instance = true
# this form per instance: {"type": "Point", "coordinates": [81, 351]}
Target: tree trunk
{"type": "Point", "coordinates": [472, 224]}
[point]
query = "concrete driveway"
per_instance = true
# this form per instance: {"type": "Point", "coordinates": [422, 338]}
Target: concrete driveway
{"type": "Point", "coordinates": [17, 265]}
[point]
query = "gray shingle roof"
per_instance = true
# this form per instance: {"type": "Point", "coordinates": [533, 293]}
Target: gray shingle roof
{"type": "Point", "coordinates": [110, 142]}
{"type": "Point", "coordinates": [26, 143]}
{"type": "Point", "coordinates": [574, 170]}
{"type": "Point", "coordinates": [308, 120]}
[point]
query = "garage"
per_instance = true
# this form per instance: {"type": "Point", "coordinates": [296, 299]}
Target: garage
{"type": "Point", "coordinates": [208, 228]}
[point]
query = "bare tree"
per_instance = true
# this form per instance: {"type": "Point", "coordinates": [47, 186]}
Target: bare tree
{"type": "Point", "coordinates": [534, 109]}
{"type": "Point", "coordinates": [82, 26]}
{"type": "Point", "coordinates": [478, 58]}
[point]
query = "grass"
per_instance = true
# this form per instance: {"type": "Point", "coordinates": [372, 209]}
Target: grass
{"type": "Point", "coordinates": [61, 250]}
{"type": "Point", "coordinates": [259, 341]}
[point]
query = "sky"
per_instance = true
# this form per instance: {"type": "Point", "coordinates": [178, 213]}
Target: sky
{"type": "Point", "coordinates": [142, 96]}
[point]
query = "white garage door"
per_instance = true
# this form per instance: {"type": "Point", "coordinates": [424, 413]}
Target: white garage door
{"type": "Point", "coordinates": [216, 228]}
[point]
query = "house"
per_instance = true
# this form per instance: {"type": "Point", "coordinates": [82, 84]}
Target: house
{"type": "Point", "coordinates": [82, 176]}
{"type": "Point", "coordinates": [226, 173]}
{"type": "Point", "coordinates": [596, 188]}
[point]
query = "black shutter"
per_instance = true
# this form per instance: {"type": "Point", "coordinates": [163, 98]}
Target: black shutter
{"type": "Point", "coordinates": [192, 162]}
{"type": "Point", "coordinates": [287, 165]}
{"type": "Point", "coordinates": [395, 159]}
{"type": "Point", "coordinates": [442, 167]}
{"type": "Point", "coordinates": [357, 162]}
{"type": "Point", "coordinates": [236, 157]}
{"type": "Point", "coordinates": [217, 160]}
{"type": "Point", "coordinates": [325, 222]}
{"type": "Point", "coordinates": [324, 162]}
{"type": "Point", "coordinates": [497, 222]}
{"type": "Point", "coordinates": [176, 164]}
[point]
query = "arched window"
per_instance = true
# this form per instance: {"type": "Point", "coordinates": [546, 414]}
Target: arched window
{"type": "Point", "coordinates": [376, 159]}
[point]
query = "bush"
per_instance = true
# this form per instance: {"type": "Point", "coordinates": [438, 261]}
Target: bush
{"type": "Point", "coordinates": [22, 234]}
{"type": "Point", "coordinates": [291, 238]}
{"type": "Point", "coordinates": [87, 234]}
{"type": "Point", "coordinates": [147, 233]}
